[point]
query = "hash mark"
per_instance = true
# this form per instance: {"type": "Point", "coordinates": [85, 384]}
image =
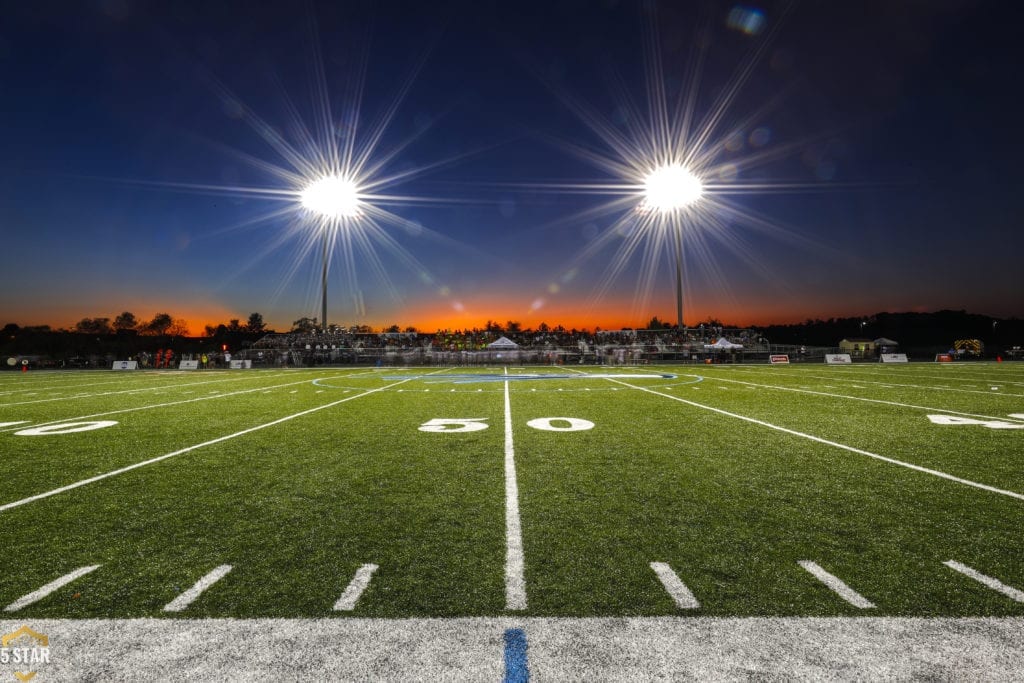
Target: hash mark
{"type": "Point", "coordinates": [188, 597]}
{"type": "Point", "coordinates": [837, 585]}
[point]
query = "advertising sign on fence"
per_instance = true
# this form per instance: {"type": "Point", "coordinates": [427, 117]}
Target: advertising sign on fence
{"type": "Point", "coordinates": [778, 359]}
{"type": "Point", "coordinates": [838, 358]}
{"type": "Point", "coordinates": [188, 365]}
{"type": "Point", "coordinates": [125, 365]}
{"type": "Point", "coordinates": [894, 358]}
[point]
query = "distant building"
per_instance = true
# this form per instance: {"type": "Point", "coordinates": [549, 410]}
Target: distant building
{"type": "Point", "coordinates": [886, 345]}
{"type": "Point", "coordinates": [858, 348]}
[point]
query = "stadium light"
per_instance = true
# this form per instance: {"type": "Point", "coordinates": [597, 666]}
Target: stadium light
{"type": "Point", "coordinates": [670, 189]}
{"type": "Point", "coordinates": [335, 198]}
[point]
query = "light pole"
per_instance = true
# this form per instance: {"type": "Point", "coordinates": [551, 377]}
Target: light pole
{"type": "Point", "coordinates": [334, 199]}
{"type": "Point", "coordinates": [669, 190]}
{"type": "Point", "coordinates": [323, 281]}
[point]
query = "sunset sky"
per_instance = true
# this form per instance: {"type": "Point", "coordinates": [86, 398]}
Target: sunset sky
{"type": "Point", "coordinates": [856, 158]}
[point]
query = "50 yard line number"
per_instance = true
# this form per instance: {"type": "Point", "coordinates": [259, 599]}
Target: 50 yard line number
{"type": "Point", "coordinates": [453, 425]}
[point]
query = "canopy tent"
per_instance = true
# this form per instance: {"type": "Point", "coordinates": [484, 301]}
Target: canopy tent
{"type": "Point", "coordinates": [503, 344]}
{"type": "Point", "coordinates": [723, 344]}
{"type": "Point", "coordinates": [882, 341]}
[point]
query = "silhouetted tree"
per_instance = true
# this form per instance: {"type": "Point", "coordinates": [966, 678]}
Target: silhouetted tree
{"type": "Point", "coordinates": [179, 328]}
{"type": "Point", "coordinates": [125, 322]}
{"type": "Point", "coordinates": [94, 326]}
{"type": "Point", "coordinates": [255, 323]}
{"type": "Point", "coordinates": [304, 326]}
{"type": "Point", "coordinates": [657, 324]}
{"type": "Point", "coordinates": [159, 325]}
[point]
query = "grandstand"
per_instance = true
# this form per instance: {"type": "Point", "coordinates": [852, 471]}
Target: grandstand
{"type": "Point", "coordinates": [605, 347]}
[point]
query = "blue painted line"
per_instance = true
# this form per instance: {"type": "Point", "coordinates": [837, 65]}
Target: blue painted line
{"type": "Point", "coordinates": [517, 669]}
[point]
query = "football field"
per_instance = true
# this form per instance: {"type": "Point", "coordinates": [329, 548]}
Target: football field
{"type": "Point", "coordinates": [508, 522]}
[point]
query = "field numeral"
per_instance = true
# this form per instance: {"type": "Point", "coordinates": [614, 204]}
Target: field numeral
{"type": "Point", "coordinates": [463, 424]}
{"type": "Point", "coordinates": [991, 424]}
{"type": "Point", "coordinates": [63, 428]}
{"type": "Point", "coordinates": [475, 424]}
{"type": "Point", "coordinates": [571, 424]}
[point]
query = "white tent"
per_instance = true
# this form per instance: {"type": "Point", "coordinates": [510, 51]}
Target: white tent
{"type": "Point", "coordinates": [723, 344]}
{"type": "Point", "coordinates": [503, 344]}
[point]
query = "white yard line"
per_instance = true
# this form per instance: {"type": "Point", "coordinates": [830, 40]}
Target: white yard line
{"type": "Point", "coordinates": [890, 384]}
{"type": "Point", "coordinates": [837, 585]}
{"type": "Point", "coordinates": [994, 584]}
{"type": "Point", "coordinates": [515, 581]}
{"type": "Point", "coordinates": [179, 603]}
{"type": "Point", "coordinates": [818, 439]}
{"type": "Point", "coordinates": [36, 596]}
{"type": "Point", "coordinates": [354, 590]}
{"type": "Point", "coordinates": [947, 375]}
{"type": "Point", "coordinates": [676, 588]}
{"type": "Point", "coordinates": [856, 398]}
{"type": "Point", "coordinates": [158, 405]}
{"type": "Point", "coordinates": [159, 458]}
{"type": "Point", "coordinates": [128, 391]}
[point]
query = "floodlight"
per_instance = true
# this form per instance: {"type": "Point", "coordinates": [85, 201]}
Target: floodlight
{"type": "Point", "coordinates": [332, 196]}
{"type": "Point", "coordinates": [672, 187]}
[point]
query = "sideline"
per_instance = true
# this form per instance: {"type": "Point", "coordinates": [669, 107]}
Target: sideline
{"type": "Point", "coordinates": [636, 648]}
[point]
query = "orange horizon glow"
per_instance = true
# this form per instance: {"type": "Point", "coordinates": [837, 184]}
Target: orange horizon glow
{"type": "Point", "coordinates": [445, 318]}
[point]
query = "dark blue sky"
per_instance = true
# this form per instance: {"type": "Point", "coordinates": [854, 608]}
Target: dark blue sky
{"type": "Point", "coordinates": [879, 143]}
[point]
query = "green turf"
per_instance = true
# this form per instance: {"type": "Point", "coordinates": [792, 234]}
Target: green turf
{"type": "Point", "coordinates": [297, 507]}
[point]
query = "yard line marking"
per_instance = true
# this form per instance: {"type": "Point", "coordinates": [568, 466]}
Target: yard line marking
{"type": "Point", "coordinates": [38, 595]}
{"type": "Point", "coordinates": [354, 590]}
{"type": "Point", "coordinates": [837, 585]}
{"type": "Point", "coordinates": [677, 589]}
{"type": "Point", "coordinates": [129, 468]}
{"type": "Point", "coordinates": [517, 669]}
{"type": "Point", "coordinates": [891, 385]}
{"type": "Point", "coordinates": [855, 398]}
{"type": "Point", "coordinates": [818, 439]}
{"type": "Point", "coordinates": [188, 597]}
{"type": "Point", "coordinates": [515, 582]}
{"type": "Point", "coordinates": [994, 584]}
{"type": "Point", "coordinates": [127, 391]}
{"type": "Point", "coordinates": [160, 405]}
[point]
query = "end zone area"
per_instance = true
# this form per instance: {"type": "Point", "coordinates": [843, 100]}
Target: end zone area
{"type": "Point", "coordinates": [671, 520]}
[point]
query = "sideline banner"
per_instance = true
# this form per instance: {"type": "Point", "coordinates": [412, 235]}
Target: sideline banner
{"type": "Point", "coordinates": [188, 365]}
{"type": "Point", "coordinates": [778, 359]}
{"type": "Point", "coordinates": [838, 358]}
{"type": "Point", "coordinates": [943, 358]}
{"type": "Point", "coordinates": [125, 365]}
{"type": "Point", "coordinates": [893, 358]}
{"type": "Point", "coordinates": [241, 364]}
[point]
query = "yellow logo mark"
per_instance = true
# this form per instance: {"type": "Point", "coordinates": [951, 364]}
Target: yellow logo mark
{"type": "Point", "coordinates": [38, 640]}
